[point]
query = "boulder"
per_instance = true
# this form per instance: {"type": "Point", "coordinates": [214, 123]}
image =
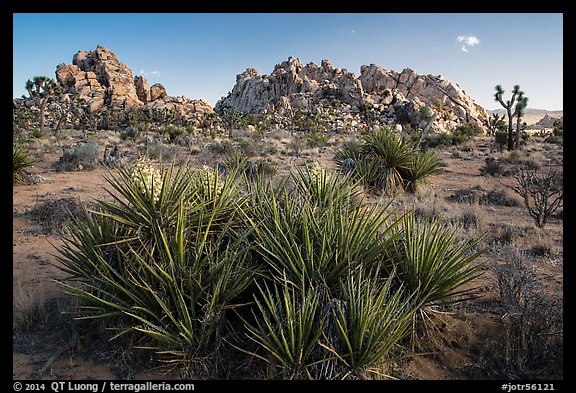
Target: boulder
{"type": "Point", "coordinates": [157, 91]}
{"type": "Point", "coordinates": [142, 89]}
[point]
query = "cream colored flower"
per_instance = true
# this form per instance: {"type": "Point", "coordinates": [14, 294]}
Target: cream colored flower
{"type": "Point", "coordinates": [147, 178]}
{"type": "Point", "coordinates": [317, 173]}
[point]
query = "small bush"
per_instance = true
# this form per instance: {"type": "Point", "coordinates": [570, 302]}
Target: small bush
{"type": "Point", "coordinates": [130, 133]}
{"type": "Point", "coordinates": [501, 138]}
{"type": "Point", "coordinates": [506, 235]}
{"type": "Point", "coordinates": [498, 198]}
{"type": "Point", "coordinates": [83, 156]}
{"type": "Point", "coordinates": [54, 216]}
{"type": "Point", "coordinates": [223, 147]}
{"type": "Point", "coordinates": [531, 344]}
{"type": "Point", "coordinates": [492, 167]}
{"type": "Point", "coordinates": [316, 139]}
{"type": "Point", "coordinates": [173, 131]}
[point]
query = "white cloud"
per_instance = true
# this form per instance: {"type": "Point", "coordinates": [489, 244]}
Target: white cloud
{"type": "Point", "coordinates": [151, 73]}
{"type": "Point", "coordinates": [467, 41]}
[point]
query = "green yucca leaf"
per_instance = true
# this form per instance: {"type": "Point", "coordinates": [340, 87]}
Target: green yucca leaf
{"type": "Point", "coordinates": [287, 324]}
{"type": "Point", "coordinates": [432, 264]}
{"type": "Point", "coordinates": [21, 159]}
{"type": "Point", "coordinates": [370, 320]}
{"type": "Point", "coordinates": [423, 165]}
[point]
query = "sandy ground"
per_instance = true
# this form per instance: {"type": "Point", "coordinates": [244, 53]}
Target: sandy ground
{"type": "Point", "coordinates": [463, 331]}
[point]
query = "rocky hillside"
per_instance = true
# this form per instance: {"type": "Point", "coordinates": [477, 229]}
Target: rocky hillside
{"type": "Point", "coordinates": [392, 97]}
{"type": "Point", "coordinates": [104, 82]}
{"type": "Point", "coordinates": [533, 116]}
{"type": "Point", "coordinates": [546, 122]}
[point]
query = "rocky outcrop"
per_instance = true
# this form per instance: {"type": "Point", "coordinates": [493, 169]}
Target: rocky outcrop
{"type": "Point", "coordinates": [396, 98]}
{"type": "Point", "coordinates": [157, 91]}
{"type": "Point", "coordinates": [546, 122]}
{"type": "Point", "coordinates": [103, 81]}
{"type": "Point", "coordinates": [142, 89]}
{"type": "Point", "coordinates": [100, 78]}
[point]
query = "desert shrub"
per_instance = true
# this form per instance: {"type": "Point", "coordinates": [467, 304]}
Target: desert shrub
{"type": "Point", "coordinates": [505, 235]}
{"type": "Point", "coordinates": [465, 132]}
{"type": "Point", "coordinates": [172, 131]}
{"type": "Point", "coordinates": [83, 156]}
{"type": "Point", "coordinates": [37, 133]}
{"type": "Point", "coordinates": [55, 216]}
{"type": "Point", "coordinates": [130, 133]}
{"type": "Point", "coordinates": [316, 139]}
{"type": "Point", "coordinates": [222, 147]}
{"type": "Point", "coordinates": [498, 198]}
{"type": "Point", "coordinates": [542, 193]}
{"type": "Point", "coordinates": [442, 139]}
{"type": "Point", "coordinates": [465, 196]}
{"type": "Point", "coordinates": [501, 138]}
{"type": "Point", "coordinates": [30, 309]}
{"type": "Point", "coordinates": [155, 150]}
{"type": "Point", "coordinates": [470, 219]}
{"type": "Point", "coordinates": [492, 167]}
{"type": "Point", "coordinates": [530, 346]}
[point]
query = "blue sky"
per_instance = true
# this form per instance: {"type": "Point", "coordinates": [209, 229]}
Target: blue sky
{"type": "Point", "coordinates": [199, 55]}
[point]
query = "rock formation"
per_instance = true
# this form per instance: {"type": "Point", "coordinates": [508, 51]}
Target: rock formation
{"type": "Point", "coordinates": [395, 97]}
{"type": "Point", "coordinates": [103, 81]}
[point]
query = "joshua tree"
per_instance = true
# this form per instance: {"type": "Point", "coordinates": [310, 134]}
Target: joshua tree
{"type": "Point", "coordinates": [42, 90]}
{"type": "Point", "coordinates": [521, 104]}
{"type": "Point", "coordinates": [508, 105]}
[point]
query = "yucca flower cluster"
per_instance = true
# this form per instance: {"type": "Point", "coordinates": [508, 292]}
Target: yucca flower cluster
{"type": "Point", "coordinates": [319, 176]}
{"type": "Point", "coordinates": [317, 173]}
{"type": "Point", "coordinates": [147, 178]}
{"type": "Point", "coordinates": [208, 183]}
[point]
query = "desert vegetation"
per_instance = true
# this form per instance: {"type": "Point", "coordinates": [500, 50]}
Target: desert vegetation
{"type": "Point", "coordinates": [239, 246]}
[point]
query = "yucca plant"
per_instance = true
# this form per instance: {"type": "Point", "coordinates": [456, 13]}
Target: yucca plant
{"type": "Point", "coordinates": [347, 155]}
{"type": "Point", "coordinates": [318, 245]}
{"type": "Point", "coordinates": [423, 165]}
{"type": "Point", "coordinates": [236, 161]}
{"type": "Point", "coordinates": [392, 154]}
{"type": "Point", "coordinates": [287, 325]}
{"type": "Point", "coordinates": [324, 189]}
{"type": "Point", "coordinates": [371, 318]}
{"type": "Point", "coordinates": [432, 265]}
{"type": "Point", "coordinates": [21, 160]}
{"type": "Point", "coordinates": [386, 162]}
{"type": "Point", "coordinates": [167, 266]}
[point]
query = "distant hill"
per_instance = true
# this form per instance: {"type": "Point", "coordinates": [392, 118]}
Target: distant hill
{"type": "Point", "coordinates": [532, 116]}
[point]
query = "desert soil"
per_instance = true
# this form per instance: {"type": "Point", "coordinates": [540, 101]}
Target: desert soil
{"type": "Point", "coordinates": [463, 330]}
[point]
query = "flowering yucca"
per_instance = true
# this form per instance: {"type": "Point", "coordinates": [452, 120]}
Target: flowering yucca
{"type": "Point", "coordinates": [147, 178]}
{"type": "Point", "coordinates": [209, 183]}
{"type": "Point", "coordinates": [318, 173]}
